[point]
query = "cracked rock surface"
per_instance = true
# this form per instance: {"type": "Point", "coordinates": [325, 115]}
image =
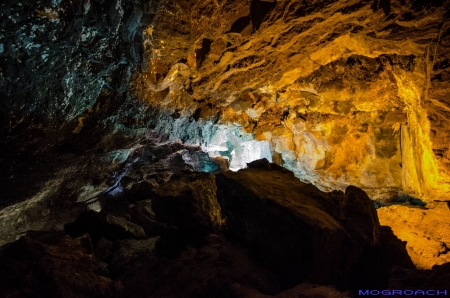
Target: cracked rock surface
{"type": "Point", "coordinates": [120, 121]}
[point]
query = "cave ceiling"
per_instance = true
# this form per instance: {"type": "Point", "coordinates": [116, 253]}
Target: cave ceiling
{"type": "Point", "coordinates": [339, 92]}
{"type": "Point", "coordinates": [344, 92]}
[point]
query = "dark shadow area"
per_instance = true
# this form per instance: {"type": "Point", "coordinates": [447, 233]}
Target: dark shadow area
{"type": "Point", "coordinates": [386, 6]}
{"type": "Point", "coordinates": [204, 49]}
{"type": "Point", "coordinates": [374, 5]}
{"type": "Point", "coordinates": [421, 4]}
{"type": "Point", "coordinates": [259, 11]}
{"type": "Point", "coordinates": [240, 24]}
{"type": "Point", "coordinates": [199, 235]}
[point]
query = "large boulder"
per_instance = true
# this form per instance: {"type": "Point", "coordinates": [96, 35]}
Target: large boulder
{"type": "Point", "coordinates": [303, 233]}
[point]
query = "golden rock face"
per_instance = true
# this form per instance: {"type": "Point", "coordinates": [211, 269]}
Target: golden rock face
{"type": "Point", "coordinates": [426, 231]}
{"type": "Point", "coordinates": [345, 92]}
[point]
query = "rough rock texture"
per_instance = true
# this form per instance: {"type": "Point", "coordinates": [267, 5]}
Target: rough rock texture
{"type": "Point", "coordinates": [58, 56]}
{"type": "Point", "coordinates": [79, 183]}
{"type": "Point", "coordinates": [340, 92]}
{"type": "Point", "coordinates": [59, 59]}
{"type": "Point", "coordinates": [299, 231]}
{"type": "Point", "coordinates": [345, 92]}
{"type": "Point", "coordinates": [425, 230]}
{"type": "Point", "coordinates": [108, 106]}
{"type": "Point", "coordinates": [436, 279]}
{"type": "Point", "coordinates": [259, 232]}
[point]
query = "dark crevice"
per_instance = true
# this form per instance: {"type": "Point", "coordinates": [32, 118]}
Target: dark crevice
{"type": "Point", "coordinates": [240, 24]}
{"type": "Point", "coordinates": [420, 4]}
{"type": "Point", "coordinates": [197, 114]}
{"type": "Point", "coordinates": [201, 53]}
{"type": "Point", "coordinates": [386, 6]}
{"type": "Point", "coordinates": [259, 10]}
{"type": "Point", "coordinates": [374, 5]}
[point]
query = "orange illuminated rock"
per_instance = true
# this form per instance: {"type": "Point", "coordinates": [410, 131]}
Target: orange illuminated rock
{"type": "Point", "coordinates": [342, 93]}
{"type": "Point", "coordinates": [426, 231]}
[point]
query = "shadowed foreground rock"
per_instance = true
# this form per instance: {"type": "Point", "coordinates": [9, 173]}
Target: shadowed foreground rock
{"type": "Point", "coordinates": [52, 265]}
{"type": "Point", "coordinates": [302, 233]}
{"type": "Point", "coordinates": [259, 232]}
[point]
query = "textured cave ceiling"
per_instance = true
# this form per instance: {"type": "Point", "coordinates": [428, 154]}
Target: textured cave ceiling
{"type": "Point", "coordinates": [121, 120]}
{"type": "Point", "coordinates": [339, 92]}
{"type": "Point", "coordinates": [344, 92]}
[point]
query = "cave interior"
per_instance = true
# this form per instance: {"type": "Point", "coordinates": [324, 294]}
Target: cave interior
{"type": "Point", "coordinates": [223, 148]}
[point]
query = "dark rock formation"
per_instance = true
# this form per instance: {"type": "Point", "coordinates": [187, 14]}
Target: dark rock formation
{"type": "Point", "coordinates": [259, 231]}
{"type": "Point", "coordinates": [68, 51]}
{"type": "Point", "coordinates": [303, 233]}
{"type": "Point", "coordinates": [100, 225]}
{"type": "Point", "coordinates": [58, 61]}
{"type": "Point", "coordinates": [52, 265]}
{"type": "Point", "coordinates": [437, 278]}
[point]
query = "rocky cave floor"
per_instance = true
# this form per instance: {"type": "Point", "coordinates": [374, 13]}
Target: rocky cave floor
{"type": "Point", "coordinates": [164, 229]}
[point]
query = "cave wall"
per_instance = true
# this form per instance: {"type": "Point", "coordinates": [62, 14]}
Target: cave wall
{"type": "Point", "coordinates": [66, 121]}
{"type": "Point", "coordinates": [344, 92]}
{"type": "Point", "coordinates": [340, 92]}
{"type": "Point", "coordinates": [57, 56]}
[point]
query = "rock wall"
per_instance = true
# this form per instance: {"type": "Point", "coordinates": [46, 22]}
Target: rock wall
{"type": "Point", "coordinates": [424, 230]}
{"type": "Point", "coordinates": [339, 89]}
{"type": "Point", "coordinates": [340, 92]}
{"type": "Point", "coordinates": [102, 98]}
{"type": "Point", "coordinates": [57, 56]}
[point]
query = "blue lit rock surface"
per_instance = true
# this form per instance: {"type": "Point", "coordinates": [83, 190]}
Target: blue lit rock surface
{"type": "Point", "coordinates": [66, 51]}
{"type": "Point", "coordinates": [85, 182]}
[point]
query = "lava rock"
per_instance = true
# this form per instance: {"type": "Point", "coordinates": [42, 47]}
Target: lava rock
{"type": "Point", "coordinates": [102, 224]}
{"type": "Point", "coordinates": [300, 232]}
{"type": "Point", "coordinates": [62, 267]}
